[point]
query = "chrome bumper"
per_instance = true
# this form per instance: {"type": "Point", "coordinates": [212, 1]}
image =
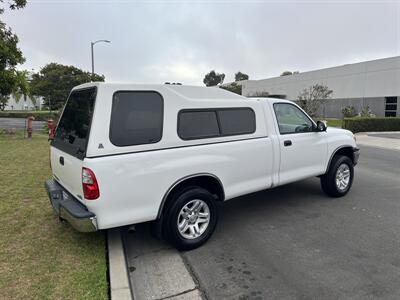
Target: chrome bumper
{"type": "Point", "coordinates": [68, 208]}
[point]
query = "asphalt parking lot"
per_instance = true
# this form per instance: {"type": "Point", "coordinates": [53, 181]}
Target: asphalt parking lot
{"type": "Point", "coordinates": [293, 242]}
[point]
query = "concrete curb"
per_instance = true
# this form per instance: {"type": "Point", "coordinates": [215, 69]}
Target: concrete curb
{"type": "Point", "coordinates": [119, 280]}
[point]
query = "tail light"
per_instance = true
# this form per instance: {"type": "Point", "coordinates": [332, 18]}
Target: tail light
{"type": "Point", "coordinates": [89, 183]}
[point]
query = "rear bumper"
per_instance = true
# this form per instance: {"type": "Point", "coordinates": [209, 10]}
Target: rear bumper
{"type": "Point", "coordinates": [356, 155]}
{"type": "Point", "coordinates": [68, 208]}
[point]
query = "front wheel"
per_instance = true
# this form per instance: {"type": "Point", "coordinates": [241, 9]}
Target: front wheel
{"type": "Point", "coordinates": [339, 178]}
{"type": "Point", "coordinates": [190, 218]}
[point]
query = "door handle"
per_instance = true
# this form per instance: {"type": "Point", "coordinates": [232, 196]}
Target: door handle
{"type": "Point", "coordinates": [287, 143]}
{"type": "Point", "coordinates": [61, 160]}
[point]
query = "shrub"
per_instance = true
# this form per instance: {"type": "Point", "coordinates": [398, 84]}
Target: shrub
{"type": "Point", "coordinates": [366, 112]}
{"type": "Point", "coordinates": [39, 115]}
{"type": "Point", "coordinates": [360, 124]}
{"type": "Point", "coordinates": [348, 111]}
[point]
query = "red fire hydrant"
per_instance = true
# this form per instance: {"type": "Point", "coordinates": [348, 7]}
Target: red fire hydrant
{"type": "Point", "coordinates": [29, 126]}
{"type": "Point", "coordinates": [50, 125]}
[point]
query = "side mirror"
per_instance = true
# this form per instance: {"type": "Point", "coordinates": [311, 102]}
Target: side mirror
{"type": "Point", "coordinates": [320, 126]}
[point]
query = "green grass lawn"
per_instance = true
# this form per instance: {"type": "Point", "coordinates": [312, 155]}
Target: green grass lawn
{"type": "Point", "coordinates": [334, 122]}
{"type": "Point", "coordinates": [40, 257]}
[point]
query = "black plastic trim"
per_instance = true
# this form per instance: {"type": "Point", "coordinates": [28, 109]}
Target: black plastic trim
{"type": "Point", "coordinates": [75, 208]}
{"type": "Point", "coordinates": [336, 150]}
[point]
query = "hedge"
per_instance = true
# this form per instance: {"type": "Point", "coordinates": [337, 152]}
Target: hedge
{"type": "Point", "coordinates": [371, 124]}
{"type": "Point", "coordinates": [39, 115]}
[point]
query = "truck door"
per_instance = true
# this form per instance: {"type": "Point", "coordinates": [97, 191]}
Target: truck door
{"type": "Point", "coordinates": [303, 151]}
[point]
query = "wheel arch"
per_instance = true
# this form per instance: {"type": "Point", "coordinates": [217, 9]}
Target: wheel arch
{"type": "Point", "coordinates": [345, 150]}
{"type": "Point", "coordinates": [207, 181]}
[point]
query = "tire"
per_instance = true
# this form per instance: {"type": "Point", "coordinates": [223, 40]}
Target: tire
{"type": "Point", "coordinates": [329, 183]}
{"type": "Point", "coordinates": [189, 206]}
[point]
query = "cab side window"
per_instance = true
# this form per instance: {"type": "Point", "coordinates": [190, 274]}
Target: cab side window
{"type": "Point", "coordinates": [291, 119]}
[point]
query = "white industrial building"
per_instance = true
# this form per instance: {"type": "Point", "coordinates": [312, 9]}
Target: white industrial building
{"type": "Point", "coordinates": [24, 103]}
{"type": "Point", "coordinates": [373, 83]}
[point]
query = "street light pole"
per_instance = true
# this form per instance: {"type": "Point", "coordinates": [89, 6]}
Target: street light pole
{"type": "Point", "coordinates": [92, 52]}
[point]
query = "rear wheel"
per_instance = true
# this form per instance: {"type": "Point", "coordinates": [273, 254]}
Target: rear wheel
{"type": "Point", "coordinates": [339, 178]}
{"type": "Point", "coordinates": [190, 218]}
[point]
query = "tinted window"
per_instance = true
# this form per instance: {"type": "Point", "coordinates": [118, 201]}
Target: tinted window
{"type": "Point", "coordinates": [237, 121]}
{"type": "Point", "coordinates": [198, 124]}
{"type": "Point", "coordinates": [291, 119]}
{"type": "Point", "coordinates": [136, 118]}
{"type": "Point", "coordinates": [73, 129]}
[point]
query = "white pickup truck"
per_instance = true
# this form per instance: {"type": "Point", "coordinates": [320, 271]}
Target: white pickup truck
{"type": "Point", "coordinates": [125, 154]}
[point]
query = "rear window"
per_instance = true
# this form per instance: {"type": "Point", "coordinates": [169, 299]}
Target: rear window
{"type": "Point", "coordinates": [72, 131]}
{"type": "Point", "coordinates": [136, 118]}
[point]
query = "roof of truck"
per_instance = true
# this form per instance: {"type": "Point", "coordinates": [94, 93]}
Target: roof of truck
{"type": "Point", "coordinates": [189, 92]}
{"type": "Point", "coordinates": [186, 91]}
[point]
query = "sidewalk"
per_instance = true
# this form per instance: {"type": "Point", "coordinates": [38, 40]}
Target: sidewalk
{"type": "Point", "coordinates": [385, 140]}
{"type": "Point", "coordinates": [157, 271]}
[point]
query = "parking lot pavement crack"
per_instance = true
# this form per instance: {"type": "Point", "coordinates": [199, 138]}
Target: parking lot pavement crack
{"type": "Point", "coordinates": [192, 273]}
{"type": "Point", "coordinates": [179, 294]}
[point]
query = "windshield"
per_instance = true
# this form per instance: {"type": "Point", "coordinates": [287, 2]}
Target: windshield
{"type": "Point", "coordinates": [72, 131]}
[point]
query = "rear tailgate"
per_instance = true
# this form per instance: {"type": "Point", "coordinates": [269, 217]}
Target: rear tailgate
{"type": "Point", "coordinates": [70, 140]}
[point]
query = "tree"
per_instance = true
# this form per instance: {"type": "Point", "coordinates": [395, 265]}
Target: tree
{"type": "Point", "coordinates": [241, 76]}
{"type": "Point", "coordinates": [13, 4]}
{"type": "Point", "coordinates": [311, 98]}
{"type": "Point", "coordinates": [10, 56]}
{"type": "Point", "coordinates": [22, 87]}
{"type": "Point", "coordinates": [55, 81]}
{"type": "Point", "coordinates": [233, 87]}
{"type": "Point", "coordinates": [213, 78]}
{"type": "Point", "coordinates": [3, 102]}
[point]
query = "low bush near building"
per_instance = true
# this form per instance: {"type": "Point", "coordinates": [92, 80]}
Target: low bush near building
{"type": "Point", "coordinates": [349, 111]}
{"type": "Point", "coordinates": [366, 112]}
{"type": "Point", "coordinates": [360, 124]}
{"type": "Point", "coordinates": [38, 114]}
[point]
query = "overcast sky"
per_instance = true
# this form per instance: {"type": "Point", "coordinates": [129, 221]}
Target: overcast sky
{"type": "Point", "coordinates": [180, 41]}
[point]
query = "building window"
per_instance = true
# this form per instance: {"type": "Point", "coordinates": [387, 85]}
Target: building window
{"type": "Point", "coordinates": [390, 106]}
{"type": "Point", "coordinates": [390, 114]}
